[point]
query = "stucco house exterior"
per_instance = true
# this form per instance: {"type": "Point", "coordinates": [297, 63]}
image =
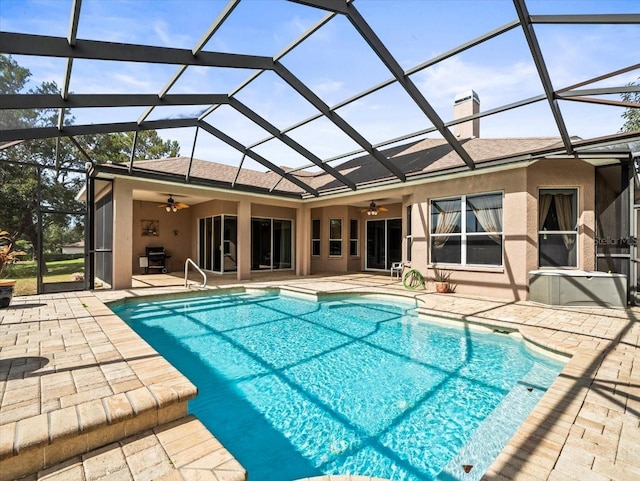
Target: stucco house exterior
{"type": "Point", "coordinates": [523, 207]}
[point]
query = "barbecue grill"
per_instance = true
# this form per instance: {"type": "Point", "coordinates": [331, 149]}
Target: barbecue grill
{"type": "Point", "coordinates": [156, 259]}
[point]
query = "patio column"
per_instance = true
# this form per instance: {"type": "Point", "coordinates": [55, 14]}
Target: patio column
{"type": "Point", "coordinates": [303, 240]}
{"type": "Point", "coordinates": [244, 240]}
{"type": "Point", "coordinates": [122, 234]}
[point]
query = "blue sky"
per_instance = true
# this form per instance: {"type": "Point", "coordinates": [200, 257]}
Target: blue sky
{"type": "Point", "coordinates": [336, 64]}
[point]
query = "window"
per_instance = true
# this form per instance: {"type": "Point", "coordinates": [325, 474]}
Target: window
{"type": "Point", "coordinates": [474, 238]}
{"type": "Point", "coordinates": [218, 240]}
{"type": "Point", "coordinates": [315, 237]}
{"type": "Point", "coordinates": [353, 238]}
{"type": "Point", "coordinates": [558, 227]}
{"type": "Point", "coordinates": [271, 244]}
{"type": "Point", "coordinates": [335, 237]}
{"type": "Point", "coordinates": [409, 238]}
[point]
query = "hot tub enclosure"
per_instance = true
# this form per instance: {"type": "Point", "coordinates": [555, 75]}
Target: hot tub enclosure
{"type": "Point", "coordinates": [578, 288]}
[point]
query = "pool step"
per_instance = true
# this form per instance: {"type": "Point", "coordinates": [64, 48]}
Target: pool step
{"type": "Point", "coordinates": [181, 450]}
{"type": "Point", "coordinates": [37, 442]}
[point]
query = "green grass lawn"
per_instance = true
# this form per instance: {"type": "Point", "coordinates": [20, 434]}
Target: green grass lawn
{"type": "Point", "coordinates": [25, 273]}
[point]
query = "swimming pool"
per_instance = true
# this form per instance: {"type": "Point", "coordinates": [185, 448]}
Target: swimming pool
{"type": "Point", "coordinates": [296, 388]}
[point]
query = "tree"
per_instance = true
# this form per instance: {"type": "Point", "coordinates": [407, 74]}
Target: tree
{"type": "Point", "coordinates": [49, 161]}
{"type": "Point", "coordinates": [631, 115]}
{"type": "Point", "coordinates": [116, 147]}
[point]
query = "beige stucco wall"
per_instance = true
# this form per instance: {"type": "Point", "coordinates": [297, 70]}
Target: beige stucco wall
{"type": "Point", "coordinates": [568, 173]}
{"type": "Point", "coordinates": [520, 213]}
{"type": "Point", "coordinates": [175, 234]}
{"type": "Point", "coordinates": [122, 233]}
{"type": "Point", "coordinates": [346, 263]}
{"type": "Point", "coordinates": [520, 218]}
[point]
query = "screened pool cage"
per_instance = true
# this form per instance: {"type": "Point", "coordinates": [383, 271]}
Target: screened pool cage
{"type": "Point", "coordinates": [269, 139]}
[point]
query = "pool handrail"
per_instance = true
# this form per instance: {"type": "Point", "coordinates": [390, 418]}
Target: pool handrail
{"type": "Point", "coordinates": [186, 272]}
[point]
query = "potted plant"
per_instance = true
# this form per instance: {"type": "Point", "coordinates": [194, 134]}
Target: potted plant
{"type": "Point", "coordinates": [7, 256]}
{"type": "Point", "coordinates": [441, 279]}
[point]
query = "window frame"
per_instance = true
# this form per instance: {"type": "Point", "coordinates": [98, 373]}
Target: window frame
{"type": "Point", "coordinates": [334, 240]}
{"type": "Point", "coordinates": [464, 235]}
{"type": "Point", "coordinates": [354, 240]}
{"type": "Point", "coordinates": [315, 241]}
{"type": "Point", "coordinates": [576, 233]}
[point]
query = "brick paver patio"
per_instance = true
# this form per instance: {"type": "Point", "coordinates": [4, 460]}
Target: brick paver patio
{"type": "Point", "coordinates": [82, 397]}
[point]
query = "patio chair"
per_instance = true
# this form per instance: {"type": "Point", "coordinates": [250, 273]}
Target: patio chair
{"type": "Point", "coordinates": [396, 268]}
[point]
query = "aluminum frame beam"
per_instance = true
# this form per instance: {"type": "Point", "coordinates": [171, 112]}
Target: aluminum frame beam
{"type": "Point", "coordinates": [588, 19]}
{"type": "Point", "coordinates": [394, 67]}
{"type": "Point", "coordinates": [419, 133]}
{"type": "Point", "coordinates": [338, 121]}
{"type": "Point", "coordinates": [543, 73]}
{"type": "Point", "coordinates": [392, 80]}
{"type": "Point", "coordinates": [257, 157]}
{"type": "Point", "coordinates": [284, 138]}
{"type": "Point", "coordinates": [614, 103]}
{"type": "Point", "coordinates": [71, 48]}
{"type": "Point", "coordinates": [71, 38]}
{"type": "Point", "coordinates": [196, 50]}
{"type": "Point", "coordinates": [598, 91]}
{"type": "Point", "coordinates": [310, 31]}
{"type": "Point", "coordinates": [46, 46]}
{"type": "Point", "coordinates": [77, 101]}
{"type": "Point", "coordinates": [88, 129]}
{"type": "Point", "coordinates": [338, 6]}
{"type": "Point", "coordinates": [630, 68]}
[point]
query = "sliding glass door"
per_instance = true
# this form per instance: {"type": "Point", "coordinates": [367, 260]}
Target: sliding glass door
{"type": "Point", "coordinates": [271, 244]}
{"type": "Point", "coordinates": [217, 243]}
{"type": "Point", "coordinates": [384, 243]}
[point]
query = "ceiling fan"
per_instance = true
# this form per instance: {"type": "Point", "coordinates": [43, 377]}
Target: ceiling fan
{"type": "Point", "coordinates": [373, 209]}
{"type": "Point", "coordinates": [172, 206]}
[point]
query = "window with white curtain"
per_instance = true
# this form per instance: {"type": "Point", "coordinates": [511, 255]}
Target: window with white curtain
{"type": "Point", "coordinates": [558, 227]}
{"type": "Point", "coordinates": [475, 238]}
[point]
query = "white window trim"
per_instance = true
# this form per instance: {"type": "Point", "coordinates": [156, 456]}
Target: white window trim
{"type": "Point", "coordinates": [463, 228]}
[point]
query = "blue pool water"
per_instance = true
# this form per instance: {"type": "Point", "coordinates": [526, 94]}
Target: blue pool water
{"type": "Point", "coordinates": [295, 388]}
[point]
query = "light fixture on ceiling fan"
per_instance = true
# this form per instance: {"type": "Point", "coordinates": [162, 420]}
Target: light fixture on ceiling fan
{"type": "Point", "coordinates": [172, 206]}
{"type": "Point", "coordinates": [373, 209]}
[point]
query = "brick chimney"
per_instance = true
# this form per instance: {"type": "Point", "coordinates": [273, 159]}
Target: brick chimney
{"type": "Point", "coordinates": [465, 104]}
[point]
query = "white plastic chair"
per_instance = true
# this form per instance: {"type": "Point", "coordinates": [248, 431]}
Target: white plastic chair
{"type": "Point", "coordinates": [396, 268]}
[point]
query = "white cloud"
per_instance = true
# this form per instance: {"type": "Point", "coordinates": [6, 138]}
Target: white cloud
{"type": "Point", "coordinates": [161, 29]}
{"type": "Point", "coordinates": [328, 86]}
{"type": "Point", "coordinates": [442, 82]}
{"type": "Point", "coordinates": [126, 81]}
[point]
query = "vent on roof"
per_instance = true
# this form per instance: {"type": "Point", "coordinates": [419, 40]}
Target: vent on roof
{"type": "Point", "coordinates": [464, 105]}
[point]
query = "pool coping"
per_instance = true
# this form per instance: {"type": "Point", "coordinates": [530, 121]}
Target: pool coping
{"type": "Point", "coordinates": [585, 426]}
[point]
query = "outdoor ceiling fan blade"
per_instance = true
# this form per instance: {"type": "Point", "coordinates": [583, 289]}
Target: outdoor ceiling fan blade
{"type": "Point", "coordinates": [383, 209]}
{"type": "Point", "coordinates": [180, 205]}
